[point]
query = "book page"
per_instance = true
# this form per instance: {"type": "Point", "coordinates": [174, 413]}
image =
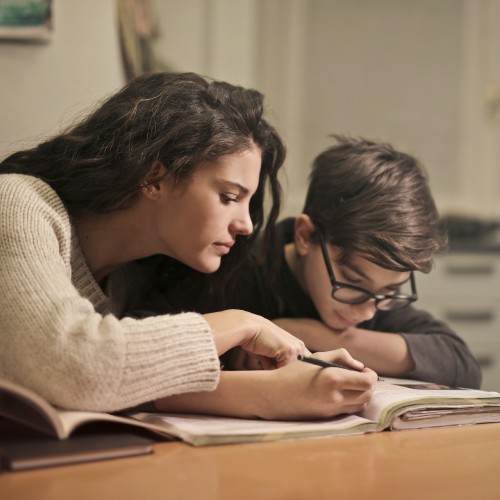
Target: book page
{"type": "Point", "coordinates": [207, 429]}
{"type": "Point", "coordinates": [25, 406]}
{"type": "Point", "coordinates": [445, 417]}
{"type": "Point", "coordinates": [389, 398]}
{"type": "Point", "coordinates": [71, 420]}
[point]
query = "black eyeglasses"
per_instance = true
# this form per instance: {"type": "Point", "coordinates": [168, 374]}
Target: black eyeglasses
{"type": "Point", "coordinates": [350, 294]}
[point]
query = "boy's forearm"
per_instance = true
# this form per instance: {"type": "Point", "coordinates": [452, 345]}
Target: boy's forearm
{"type": "Point", "coordinates": [386, 353]}
{"type": "Point", "coordinates": [315, 334]}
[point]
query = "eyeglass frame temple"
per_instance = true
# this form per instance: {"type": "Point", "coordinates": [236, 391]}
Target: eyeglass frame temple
{"type": "Point", "coordinates": [326, 258]}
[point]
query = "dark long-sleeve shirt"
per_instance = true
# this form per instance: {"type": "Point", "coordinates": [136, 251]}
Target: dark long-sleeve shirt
{"type": "Point", "coordinates": [440, 355]}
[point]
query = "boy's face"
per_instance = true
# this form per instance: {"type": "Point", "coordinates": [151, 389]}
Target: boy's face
{"type": "Point", "coordinates": [358, 271]}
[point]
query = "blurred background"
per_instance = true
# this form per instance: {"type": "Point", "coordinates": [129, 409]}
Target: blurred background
{"type": "Point", "coordinates": [423, 75]}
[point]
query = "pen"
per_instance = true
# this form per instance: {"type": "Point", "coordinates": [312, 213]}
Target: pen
{"type": "Point", "coordinates": [326, 364]}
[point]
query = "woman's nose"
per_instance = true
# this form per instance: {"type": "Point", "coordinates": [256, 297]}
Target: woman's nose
{"type": "Point", "coordinates": [243, 224]}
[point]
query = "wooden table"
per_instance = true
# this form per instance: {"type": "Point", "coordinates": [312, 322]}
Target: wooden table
{"type": "Point", "coordinates": [432, 464]}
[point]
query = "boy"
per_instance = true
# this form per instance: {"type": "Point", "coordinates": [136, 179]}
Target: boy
{"type": "Point", "coordinates": [341, 274]}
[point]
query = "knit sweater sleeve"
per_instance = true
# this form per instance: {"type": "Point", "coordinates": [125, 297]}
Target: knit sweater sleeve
{"type": "Point", "coordinates": [58, 339]}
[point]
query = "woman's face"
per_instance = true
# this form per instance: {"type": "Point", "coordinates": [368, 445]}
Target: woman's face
{"type": "Point", "coordinates": [198, 220]}
{"type": "Point", "coordinates": [358, 272]}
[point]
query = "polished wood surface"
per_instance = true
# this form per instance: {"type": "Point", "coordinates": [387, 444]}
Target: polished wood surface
{"type": "Point", "coordinates": [448, 463]}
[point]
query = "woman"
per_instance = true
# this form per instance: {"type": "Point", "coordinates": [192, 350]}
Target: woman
{"type": "Point", "coordinates": [172, 164]}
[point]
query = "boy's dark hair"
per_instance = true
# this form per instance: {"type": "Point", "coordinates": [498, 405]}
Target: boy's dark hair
{"type": "Point", "coordinates": [371, 199]}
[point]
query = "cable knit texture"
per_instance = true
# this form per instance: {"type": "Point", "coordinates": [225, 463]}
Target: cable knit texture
{"type": "Point", "coordinates": [60, 334]}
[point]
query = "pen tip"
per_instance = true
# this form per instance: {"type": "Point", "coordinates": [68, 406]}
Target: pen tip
{"type": "Point", "coordinates": [300, 357]}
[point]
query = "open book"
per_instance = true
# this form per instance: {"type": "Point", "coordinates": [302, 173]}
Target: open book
{"type": "Point", "coordinates": [397, 405]}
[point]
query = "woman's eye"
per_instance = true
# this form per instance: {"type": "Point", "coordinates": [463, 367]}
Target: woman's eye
{"type": "Point", "coordinates": [228, 198]}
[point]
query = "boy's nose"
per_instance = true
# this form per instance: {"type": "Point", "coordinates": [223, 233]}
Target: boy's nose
{"type": "Point", "coordinates": [365, 310]}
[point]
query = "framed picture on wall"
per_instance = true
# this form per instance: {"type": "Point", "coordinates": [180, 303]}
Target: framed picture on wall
{"type": "Point", "coordinates": [26, 20]}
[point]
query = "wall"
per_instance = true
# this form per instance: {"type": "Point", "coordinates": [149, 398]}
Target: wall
{"type": "Point", "coordinates": [416, 74]}
{"type": "Point", "coordinates": [394, 77]}
{"type": "Point", "coordinates": [43, 86]}
{"type": "Point", "coordinates": [255, 43]}
{"type": "Point", "coordinates": [480, 138]}
{"type": "Point", "coordinates": [421, 75]}
{"type": "Point", "coordinates": [217, 38]}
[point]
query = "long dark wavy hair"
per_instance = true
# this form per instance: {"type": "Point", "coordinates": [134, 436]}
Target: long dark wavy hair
{"type": "Point", "coordinates": [369, 198]}
{"type": "Point", "coordinates": [180, 119]}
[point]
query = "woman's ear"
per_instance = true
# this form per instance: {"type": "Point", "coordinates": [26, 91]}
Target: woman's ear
{"type": "Point", "coordinates": [304, 228]}
{"type": "Point", "coordinates": [151, 185]}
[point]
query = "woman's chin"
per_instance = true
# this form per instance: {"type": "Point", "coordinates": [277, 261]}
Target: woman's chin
{"type": "Point", "coordinates": [208, 267]}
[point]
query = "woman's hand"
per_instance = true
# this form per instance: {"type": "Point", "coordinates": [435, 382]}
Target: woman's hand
{"type": "Point", "coordinates": [273, 346]}
{"type": "Point", "coordinates": [303, 391]}
{"type": "Point", "coordinates": [297, 391]}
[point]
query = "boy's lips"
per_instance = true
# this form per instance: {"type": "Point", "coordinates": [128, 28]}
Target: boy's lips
{"type": "Point", "coordinates": [347, 321]}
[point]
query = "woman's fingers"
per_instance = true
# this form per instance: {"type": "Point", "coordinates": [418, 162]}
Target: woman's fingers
{"type": "Point", "coordinates": [342, 357]}
{"type": "Point", "coordinates": [272, 342]}
{"type": "Point", "coordinates": [256, 335]}
{"type": "Point", "coordinates": [304, 391]}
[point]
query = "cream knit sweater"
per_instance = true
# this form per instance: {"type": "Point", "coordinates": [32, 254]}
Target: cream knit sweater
{"type": "Point", "coordinates": [61, 336]}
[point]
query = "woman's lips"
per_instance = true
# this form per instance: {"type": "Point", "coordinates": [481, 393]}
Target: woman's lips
{"type": "Point", "coordinates": [224, 247]}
